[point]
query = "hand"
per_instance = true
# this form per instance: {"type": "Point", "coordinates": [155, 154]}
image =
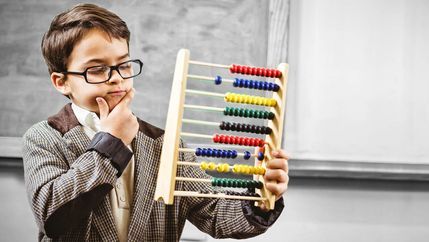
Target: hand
{"type": "Point", "coordinates": [276, 176]}
{"type": "Point", "coordinates": [120, 122]}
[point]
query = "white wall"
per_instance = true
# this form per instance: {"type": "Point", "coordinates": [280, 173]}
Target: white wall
{"type": "Point", "coordinates": [358, 80]}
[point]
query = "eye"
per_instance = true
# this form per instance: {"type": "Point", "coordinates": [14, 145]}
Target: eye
{"type": "Point", "coordinates": [97, 70]}
{"type": "Point", "coordinates": [125, 66]}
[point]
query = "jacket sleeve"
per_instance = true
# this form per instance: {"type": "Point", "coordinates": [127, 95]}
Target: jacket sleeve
{"type": "Point", "coordinates": [225, 218]}
{"type": "Point", "coordinates": [61, 195]}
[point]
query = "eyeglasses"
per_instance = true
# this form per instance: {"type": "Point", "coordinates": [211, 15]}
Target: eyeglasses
{"type": "Point", "coordinates": [102, 73]}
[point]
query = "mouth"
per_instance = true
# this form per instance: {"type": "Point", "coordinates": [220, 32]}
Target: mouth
{"type": "Point", "coordinates": [117, 93]}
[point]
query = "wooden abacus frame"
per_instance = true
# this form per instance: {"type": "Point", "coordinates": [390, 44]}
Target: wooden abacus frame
{"type": "Point", "coordinates": [170, 149]}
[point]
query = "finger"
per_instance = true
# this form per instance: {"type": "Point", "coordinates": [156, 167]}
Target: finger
{"type": "Point", "coordinates": [276, 188]}
{"type": "Point", "coordinates": [278, 164]}
{"type": "Point", "coordinates": [275, 175]}
{"type": "Point", "coordinates": [126, 100]}
{"type": "Point", "coordinates": [280, 154]}
{"type": "Point", "coordinates": [103, 107]}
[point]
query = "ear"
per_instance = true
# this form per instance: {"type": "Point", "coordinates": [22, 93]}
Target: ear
{"type": "Point", "coordinates": [60, 83]}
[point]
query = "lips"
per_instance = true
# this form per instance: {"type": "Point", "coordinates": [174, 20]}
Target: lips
{"type": "Point", "coordinates": [117, 93]}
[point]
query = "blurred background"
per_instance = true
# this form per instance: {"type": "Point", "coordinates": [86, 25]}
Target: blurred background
{"type": "Point", "coordinates": [357, 112]}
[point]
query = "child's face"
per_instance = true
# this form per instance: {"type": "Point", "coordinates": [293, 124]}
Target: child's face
{"type": "Point", "coordinates": [94, 49]}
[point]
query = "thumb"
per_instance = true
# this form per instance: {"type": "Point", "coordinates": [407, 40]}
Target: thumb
{"type": "Point", "coordinates": [103, 107]}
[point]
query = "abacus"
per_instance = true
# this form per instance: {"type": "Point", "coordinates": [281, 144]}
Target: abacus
{"type": "Point", "coordinates": [272, 133]}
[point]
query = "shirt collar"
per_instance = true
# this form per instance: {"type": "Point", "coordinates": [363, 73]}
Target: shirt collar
{"type": "Point", "coordinates": [86, 118]}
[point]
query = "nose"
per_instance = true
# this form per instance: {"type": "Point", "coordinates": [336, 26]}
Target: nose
{"type": "Point", "coordinates": [115, 78]}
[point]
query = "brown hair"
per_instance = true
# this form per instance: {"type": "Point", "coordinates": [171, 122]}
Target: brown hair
{"type": "Point", "coordinates": [69, 27]}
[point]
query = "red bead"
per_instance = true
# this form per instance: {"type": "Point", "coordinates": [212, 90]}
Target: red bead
{"type": "Point", "coordinates": [263, 72]}
{"type": "Point", "coordinates": [237, 140]}
{"type": "Point", "coordinates": [279, 74]}
{"type": "Point", "coordinates": [216, 138]}
{"type": "Point", "coordinates": [222, 139]}
{"type": "Point", "coordinates": [261, 143]}
{"type": "Point", "coordinates": [231, 140]}
{"type": "Point", "coordinates": [268, 73]}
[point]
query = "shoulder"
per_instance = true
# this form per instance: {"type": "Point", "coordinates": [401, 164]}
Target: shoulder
{"type": "Point", "coordinates": [149, 129]}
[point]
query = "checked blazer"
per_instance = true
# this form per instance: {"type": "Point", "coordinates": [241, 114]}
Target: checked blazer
{"type": "Point", "coordinates": [68, 190]}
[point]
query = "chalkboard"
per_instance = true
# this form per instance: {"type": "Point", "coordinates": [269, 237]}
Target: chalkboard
{"type": "Point", "coordinates": [225, 32]}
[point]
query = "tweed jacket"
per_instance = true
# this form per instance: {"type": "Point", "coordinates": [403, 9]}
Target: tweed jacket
{"type": "Point", "coordinates": [68, 189]}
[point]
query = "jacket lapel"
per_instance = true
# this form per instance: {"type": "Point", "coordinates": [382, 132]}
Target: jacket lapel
{"type": "Point", "coordinates": [77, 141]}
{"type": "Point", "coordinates": [144, 185]}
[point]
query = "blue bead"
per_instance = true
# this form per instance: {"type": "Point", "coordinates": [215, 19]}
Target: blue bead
{"type": "Point", "coordinates": [246, 155]}
{"type": "Point", "coordinates": [260, 156]}
{"type": "Point", "coordinates": [218, 80]}
{"type": "Point", "coordinates": [234, 154]}
{"type": "Point", "coordinates": [236, 82]}
{"type": "Point", "coordinates": [257, 85]}
{"type": "Point", "coordinates": [241, 82]}
{"type": "Point", "coordinates": [228, 154]}
{"type": "Point", "coordinates": [224, 153]}
{"type": "Point", "coordinates": [198, 152]}
{"type": "Point", "coordinates": [203, 152]}
{"type": "Point", "coordinates": [215, 153]}
{"type": "Point", "coordinates": [251, 84]}
{"type": "Point", "coordinates": [246, 83]}
{"type": "Point", "coordinates": [276, 87]}
{"type": "Point", "coordinates": [270, 86]}
{"type": "Point", "coordinates": [265, 85]}
{"type": "Point", "coordinates": [209, 152]}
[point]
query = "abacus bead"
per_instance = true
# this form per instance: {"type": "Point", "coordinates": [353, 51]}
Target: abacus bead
{"type": "Point", "coordinates": [261, 143]}
{"type": "Point", "coordinates": [224, 153]}
{"type": "Point", "coordinates": [228, 154]}
{"type": "Point", "coordinates": [270, 86]}
{"type": "Point", "coordinates": [218, 80]}
{"type": "Point", "coordinates": [276, 87]}
{"type": "Point", "coordinates": [236, 112]}
{"type": "Point", "coordinates": [246, 83]}
{"type": "Point", "coordinates": [260, 156]}
{"type": "Point", "coordinates": [236, 82]}
{"type": "Point", "coordinates": [211, 166]}
{"type": "Point", "coordinates": [251, 84]}
{"type": "Point", "coordinates": [215, 153]}
{"type": "Point", "coordinates": [234, 154]}
{"type": "Point", "coordinates": [204, 165]}
{"type": "Point", "coordinates": [271, 115]}
{"type": "Point", "coordinates": [269, 72]}
{"type": "Point", "coordinates": [246, 155]}
{"type": "Point", "coordinates": [265, 86]}
{"type": "Point", "coordinates": [216, 138]}
{"type": "Point", "coordinates": [198, 152]}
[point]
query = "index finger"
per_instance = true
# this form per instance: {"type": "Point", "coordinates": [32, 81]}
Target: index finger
{"type": "Point", "coordinates": [126, 100]}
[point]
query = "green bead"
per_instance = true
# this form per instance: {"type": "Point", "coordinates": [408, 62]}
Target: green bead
{"type": "Point", "coordinates": [265, 115]}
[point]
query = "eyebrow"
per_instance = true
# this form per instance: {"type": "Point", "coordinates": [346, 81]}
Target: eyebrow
{"type": "Point", "coordinates": [102, 60]}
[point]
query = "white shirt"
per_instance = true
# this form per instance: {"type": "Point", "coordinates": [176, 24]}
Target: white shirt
{"type": "Point", "coordinates": [122, 194]}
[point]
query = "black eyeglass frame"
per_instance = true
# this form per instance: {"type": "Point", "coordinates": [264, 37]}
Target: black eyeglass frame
{"type": "Point", "coordinates": [112, 68]}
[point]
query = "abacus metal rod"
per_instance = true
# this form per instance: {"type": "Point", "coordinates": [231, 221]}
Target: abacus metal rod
{"type": "Point", "coordinates": [200, 63]}
{"type": "Point", "coordinates": [217, 195]}
{"type": "Point", "coordinates": [208, 78]}
{"type": "Point", "coordinates": [192, 121]}
{"type": "Point", "coordinates": [204, 108]}
{"type": "Point", "coordinates": [179, 178]}
{"type": "Point", "coordinates": [196, 135]}
{"type": "Point", "coordinates": [190, 150]}
{"type": "Point", "coordinates": [213, 94]}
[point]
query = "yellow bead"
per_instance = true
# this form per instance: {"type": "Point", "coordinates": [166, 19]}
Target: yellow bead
{"type": "Point", "coordinates": [204, 165]}
{"type": "Point", "coordinates": [273, 102]}
{"type": "Point", "coordinates": [235, 168]}
{"type": "Point", "coordinates": [211, 166]}
{"type": "Point", "coordinates": [226, 167]}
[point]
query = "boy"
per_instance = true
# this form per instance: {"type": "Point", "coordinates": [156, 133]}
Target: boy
{"type": "Point", "coordinates": [90, 170]}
